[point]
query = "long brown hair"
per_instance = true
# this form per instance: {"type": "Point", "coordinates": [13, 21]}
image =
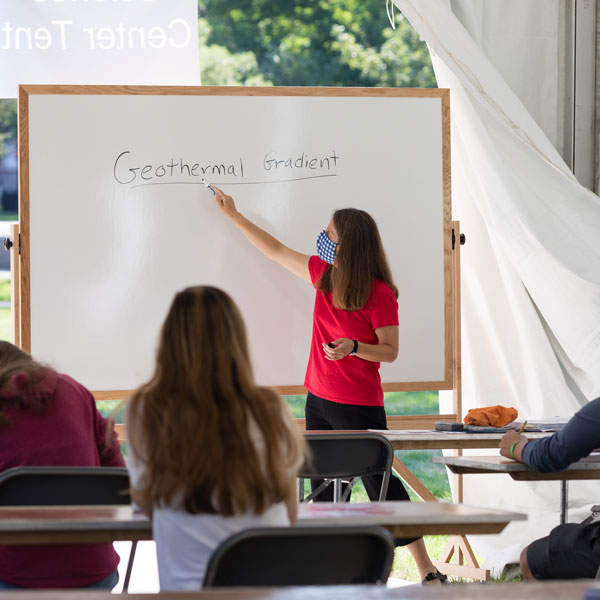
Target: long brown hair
{"type": "Point", "coordinates": [24, 382]}
{"type": "Point", "coordinates": [192, 424]}
{"type": "Point", "coordinates": [359, 260]}
{"type": "Point", "coordinates": [29, 385]}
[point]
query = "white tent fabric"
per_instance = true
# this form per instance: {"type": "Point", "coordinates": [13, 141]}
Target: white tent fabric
{"type": "Point", "coordinates": [514, 33]}
{"type": "Point", "coordinates": [530, 268]}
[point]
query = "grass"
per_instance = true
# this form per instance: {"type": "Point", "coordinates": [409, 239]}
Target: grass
{"type": "Point", "coordinates": [411, 403]}
{"type": "Point", "coordinates": [5, 324]}
{"type": "Point", "coordinates": [404, 566]}
{"type": "Point", "coordinates": [396, 403]}
{"type": "Point", "coordinates": [5, 290]}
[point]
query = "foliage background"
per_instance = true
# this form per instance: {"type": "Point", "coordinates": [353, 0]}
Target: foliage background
{"type": "Point", "coordinates": [307, 42]}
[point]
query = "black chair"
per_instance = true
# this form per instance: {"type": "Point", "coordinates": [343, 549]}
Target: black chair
{"type": "Point", "coordinates": [67, 486]}
{"type": "Point", "coordinates": [285, 556]}
{"type": "Point", "coordinates": [336, 457]}
{"type": "Point", "coordinates": [64, 486]}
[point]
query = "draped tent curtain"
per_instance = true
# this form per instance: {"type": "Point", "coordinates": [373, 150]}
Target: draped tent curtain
{"type": "Point", "coordinates": [531, 266]}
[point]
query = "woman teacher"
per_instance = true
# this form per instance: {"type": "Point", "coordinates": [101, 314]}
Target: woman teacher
{"type": "Point", "coordinates": [355, 328]}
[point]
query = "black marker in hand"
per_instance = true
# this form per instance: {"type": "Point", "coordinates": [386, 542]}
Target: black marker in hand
{"type": "Point", "coordinates": [210, 187]}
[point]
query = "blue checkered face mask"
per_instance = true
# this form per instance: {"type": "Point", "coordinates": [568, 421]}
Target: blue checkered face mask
{"type": "Point", "coordinates": [326, 248]}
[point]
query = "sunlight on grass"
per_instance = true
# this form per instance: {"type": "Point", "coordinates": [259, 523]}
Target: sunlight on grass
{"type": "Point", "coordinates": [5, 290]}
{"type": "Point", "coordinates": [5, 325]}
{"type": "Point", "coordinates": [404, 566]}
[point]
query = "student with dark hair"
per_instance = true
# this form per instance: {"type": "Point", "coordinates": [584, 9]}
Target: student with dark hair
{"type": "Point", "coordinates": [571, 550]}
{"type": "Point", "coordinates": [210, 452]}
{"type": "Point", "coordinates": [48, 419]}
{"type": "Point", "coordinates": [355, 328]}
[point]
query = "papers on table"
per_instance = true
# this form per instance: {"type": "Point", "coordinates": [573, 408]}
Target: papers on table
{"type": "Point", "coordinates": [414, 431]}
{"type": "Point", "coordinates": [550, 424]}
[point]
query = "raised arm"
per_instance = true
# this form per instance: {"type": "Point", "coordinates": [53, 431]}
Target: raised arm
{"type": "Point", "coordinates": [272, 248]}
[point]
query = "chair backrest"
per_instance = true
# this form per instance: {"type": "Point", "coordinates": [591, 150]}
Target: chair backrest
{"type": "Point", "coordinates": [55, 486]}
{"type": "Point", "coordinates": [348, 455]}
{"type": "Point", "coordinates": [283, 556]}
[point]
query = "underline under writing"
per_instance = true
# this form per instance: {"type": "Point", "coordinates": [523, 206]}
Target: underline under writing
{"type": "Point", "coordinates": [231, 182]}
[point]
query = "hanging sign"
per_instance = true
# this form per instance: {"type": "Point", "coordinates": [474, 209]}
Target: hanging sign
{"type": "Point", "coordinates": [133, 42]}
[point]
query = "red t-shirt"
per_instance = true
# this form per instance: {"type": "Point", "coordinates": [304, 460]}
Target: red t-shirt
{"type": "Point", "coordinates": [69, 432]}
{"type": "Point", "coordinates": [350, 380]}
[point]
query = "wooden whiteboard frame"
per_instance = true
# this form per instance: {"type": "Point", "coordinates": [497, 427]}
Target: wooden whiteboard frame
{"type": "Point", "coordinates": [22, 312]}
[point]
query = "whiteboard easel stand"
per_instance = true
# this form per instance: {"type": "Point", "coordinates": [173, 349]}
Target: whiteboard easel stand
{"type": "Point", "coordinates": [15, 283]}
{"type": "Point", "coordinates": [458, 546]}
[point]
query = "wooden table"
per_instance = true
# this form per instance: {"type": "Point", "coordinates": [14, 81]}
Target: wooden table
{"type": "Point", "coordinates": [586, 468]}
{"type": "Point", "coordinates": [559, 590]}
{"type": "Point", "coordinates": [407, 519]}
{"type": "Point", "coordinates": [426, 439]}
{"type": "Point", "coordinates": [439, 440]}
{"type": "Point", "coordinates": [95, 524]}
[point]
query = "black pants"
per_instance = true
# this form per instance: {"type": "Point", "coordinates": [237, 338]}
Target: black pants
{"type": "Point", "coordinates": [571, 551]}
{"type": "Point", "coordinates": [326, 415]}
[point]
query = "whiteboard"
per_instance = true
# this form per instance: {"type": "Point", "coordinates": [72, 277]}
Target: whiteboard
{"type": "Point", "coordinates": [114, 218]}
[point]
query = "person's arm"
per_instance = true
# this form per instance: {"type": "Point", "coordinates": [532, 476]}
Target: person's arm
{"type": "Point", "coordinates": [291, 501]}
{"type": "Point", "coordinates": [386, 350]}
{"type": "Point", "coordinates": [511, 439]}
{"type": "Point", "coordinates": [110, 453]}
{"type": "Point", "coordinates": [272, 248]}
{"type": "Point", "coordinates": [105, 436]}
{"type": "Point", "coordinates": [135, 466]}
{"type": "Point", "coordinates": [138, 503]}
{"type": "Point", "coordinates": [579, 437]}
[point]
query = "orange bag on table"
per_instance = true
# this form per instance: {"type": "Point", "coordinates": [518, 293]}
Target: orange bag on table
{"type": "Point", "coordinates": [491, 416]}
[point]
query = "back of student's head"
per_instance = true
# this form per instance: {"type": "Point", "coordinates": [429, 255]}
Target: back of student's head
{"type": "Point", "coordinates": [360, 259]}
{"type": "Point", "coordinates": [11, 355]}
{"type": "Point", "coordinates": [203, 345]}
{"type": "Point", "coordinates": [24, 383]}
{"type": "Point", "coordinates": [201, 425]}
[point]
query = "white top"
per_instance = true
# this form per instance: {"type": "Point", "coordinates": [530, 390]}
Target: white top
{"type": "Point", "coordinates": [185, 542]}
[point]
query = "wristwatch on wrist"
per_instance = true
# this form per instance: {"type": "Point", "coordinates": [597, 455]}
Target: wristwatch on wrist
{"type": "Point", "coordinates": [355, 348]}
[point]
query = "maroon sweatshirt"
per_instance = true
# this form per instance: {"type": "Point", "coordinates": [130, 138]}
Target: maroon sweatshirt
{"type": "Point", "coordinates": [69, 431]}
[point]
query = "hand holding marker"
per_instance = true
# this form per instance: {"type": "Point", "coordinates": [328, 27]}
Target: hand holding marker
{"type": "Point", "coordinates": [209, 186]}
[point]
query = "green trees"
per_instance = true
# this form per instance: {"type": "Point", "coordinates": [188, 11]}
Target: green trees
{"type": "Point", "coordinates": [8, 122]}
{"type": "Point", "coordinates": [309, 42]}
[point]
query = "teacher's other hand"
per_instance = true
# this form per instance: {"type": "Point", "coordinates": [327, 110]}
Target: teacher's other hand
{"type": "Point", "coordinates": [507, 441]}
{"type": "Point", "coordinates": [225, 203]}
{"type": "Point", "coordinates": [342, 347]}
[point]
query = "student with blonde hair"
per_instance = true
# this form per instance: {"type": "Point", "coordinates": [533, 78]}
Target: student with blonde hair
{"type": "Point", "coordinates": [210, 452]}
